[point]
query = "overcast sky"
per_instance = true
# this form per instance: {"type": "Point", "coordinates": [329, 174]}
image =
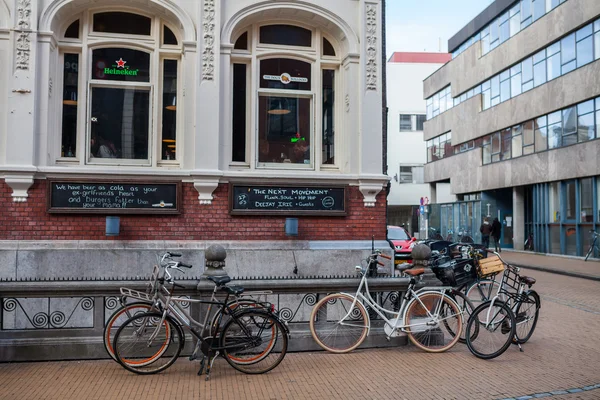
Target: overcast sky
{"type": "Point", "coordinates": [418, 25]}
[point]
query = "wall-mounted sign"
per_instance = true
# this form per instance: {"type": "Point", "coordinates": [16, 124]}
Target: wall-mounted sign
{"type": "Point", "coordinates": [288, 200]}
{"type": "Point", "coordinates": [110, 197]}
{"type": "Point", "coordinates": [284, 78]}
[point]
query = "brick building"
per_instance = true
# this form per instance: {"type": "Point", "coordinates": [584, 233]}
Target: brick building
{"type": "Point", "coordinates": [193, 122]}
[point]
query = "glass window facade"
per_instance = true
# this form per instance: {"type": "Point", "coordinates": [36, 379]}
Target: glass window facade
{"type": "Point", "coordinates": [439, 147]}
{"type": "Point", "coordinates": [565, 55]}
{"type": "Point", "coordinates": [572, 125]}
{"type": "Point", "coordinates": [519, 16]}
{"type": "Point", "coordinates": [563, 213]}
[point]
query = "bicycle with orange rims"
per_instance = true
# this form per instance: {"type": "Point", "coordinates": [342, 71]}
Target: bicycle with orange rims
{"type": "Point", "coordinates": [251, 338]}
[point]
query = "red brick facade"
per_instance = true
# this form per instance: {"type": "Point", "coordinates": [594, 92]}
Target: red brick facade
{"type": "Point", "coordinates": [31, 221]}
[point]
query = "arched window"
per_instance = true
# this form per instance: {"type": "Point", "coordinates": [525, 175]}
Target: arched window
{"type": "Point", "coordinates": [119, 90]}
{"type": "Point", "coordinates": [294, 70]}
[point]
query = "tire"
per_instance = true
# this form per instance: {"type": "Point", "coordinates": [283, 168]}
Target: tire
{"type": "Point", "coordinates": [495, 337]}
{"type": "Point", "coordinates": [117, 319]}
{"type": "Point", "coordinates": [134, 351]}
{"type": "Point", "coordinates": [333, 334]}
{"type": "Point", "coordinates": [430, 334]}
{"type": "Point", "coordinates": [466, 307]}
{"type": "Point", "coordinates": [481, 291]}
{"type": "Point", "coordinates": [526, 316]}
{"type": "Point", "coordinates": [254, 341]}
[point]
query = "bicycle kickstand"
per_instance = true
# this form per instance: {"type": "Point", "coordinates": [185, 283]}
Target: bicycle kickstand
{"type": "Point", "coordinates": [202, 364]}
{"type": "Point", "coordinates": [194, 354]}
{"type": "Point", "coordinates": [210, 364]}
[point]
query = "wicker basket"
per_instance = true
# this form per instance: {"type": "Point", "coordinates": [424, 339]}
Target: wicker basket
{"type": "Point", "coordinates": [490, 266]}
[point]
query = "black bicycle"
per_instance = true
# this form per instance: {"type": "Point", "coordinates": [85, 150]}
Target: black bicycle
{"type": "Point", "coordinates": [252, 339]}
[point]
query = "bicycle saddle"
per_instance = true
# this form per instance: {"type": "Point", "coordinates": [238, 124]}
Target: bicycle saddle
{"type": "Point", "coordinates": [415, 272]}
{"type": "Point", "coordinates": [234, 290]}
{"type": "Point", "coordinates": [528, 280]}
{"type": "Point", "coordinates": [403, 267]}
{"type": "Point", "coordinates": [219, 280]}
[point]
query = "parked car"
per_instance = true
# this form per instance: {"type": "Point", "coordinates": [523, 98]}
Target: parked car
{"type": "Point", "coordinates": [402, 243]}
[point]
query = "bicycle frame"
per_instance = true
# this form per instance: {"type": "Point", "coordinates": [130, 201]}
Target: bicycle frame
{"type": "Point", "coordinates": [410, 296]}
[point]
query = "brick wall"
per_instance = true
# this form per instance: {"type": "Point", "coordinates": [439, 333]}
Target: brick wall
{"type": "Point", "coordinates": [30, 221]}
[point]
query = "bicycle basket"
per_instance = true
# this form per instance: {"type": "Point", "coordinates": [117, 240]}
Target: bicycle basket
{"type": "Point", "coordinates": [490, 266]}
{"type": "Point", "coordinates": [511, 281]}
{"type": "Point", "coordinates": [455, 272]}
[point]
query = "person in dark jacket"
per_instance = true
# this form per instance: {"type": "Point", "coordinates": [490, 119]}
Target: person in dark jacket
{"type": "Point", "coordinates": [496, 233]}
{"type": "Point", "coordinates": [485, 230]}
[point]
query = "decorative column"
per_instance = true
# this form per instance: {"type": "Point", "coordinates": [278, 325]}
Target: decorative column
{"type": "Point", "coordinates": [21, 140]}
{"type": "Point", "coordinates": [206, 171]}
{"type": "Point", "coordinates": [370, 138]}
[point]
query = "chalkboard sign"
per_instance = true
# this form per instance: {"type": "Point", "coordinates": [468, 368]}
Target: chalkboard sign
{"type": "Point", "coordinates": [114, 197]}
{"type": "Point", "coordinates": [288, 200]}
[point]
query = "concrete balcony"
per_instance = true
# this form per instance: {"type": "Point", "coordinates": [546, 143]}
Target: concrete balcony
{"type": "Point", "coordinates": [467, 174]}
{"type": "Point", "coordinates": [467, 121]}
{"type": "Point", "coordinates": [470, 69]}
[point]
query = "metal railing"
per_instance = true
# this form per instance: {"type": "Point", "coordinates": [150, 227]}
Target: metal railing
{"type": "Point", "coordinates": [51, 320]}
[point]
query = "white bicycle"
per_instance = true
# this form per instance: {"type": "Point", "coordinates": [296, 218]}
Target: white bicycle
{"type": "Point", "coordinates": [433, 321]}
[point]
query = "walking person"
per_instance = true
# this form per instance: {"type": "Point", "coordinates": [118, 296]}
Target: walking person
{"type": "Point", "coordinates": [486, 230]}
{"type": "Point", "coordinates": [496, 233]}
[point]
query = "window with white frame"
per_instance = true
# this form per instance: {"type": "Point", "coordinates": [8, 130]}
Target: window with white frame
{"type": "Point", "coordinates": [119, 90]}
{"type": "Point", "coordinates": [295, 70]}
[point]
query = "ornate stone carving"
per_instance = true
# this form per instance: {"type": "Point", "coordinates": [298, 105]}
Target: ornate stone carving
{"type": "Point", "coordinates": [23, 43]}
{"type": "Point", "coordinates": [370, 190]}
{"type": "Point", "coordinates": [347, 102]}
{"type": "Point", "coordinates": [208, 52]}
{"type": "Point", "coordinates": [50, 83]}
{"type": "Point", "coordinates": [371, 43]}
{"type": "Point", "coordinates": [20, 184]}
{"type": "Point", "coordinates": [205, 188]}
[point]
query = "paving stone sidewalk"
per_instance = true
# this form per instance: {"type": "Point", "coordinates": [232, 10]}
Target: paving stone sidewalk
{"type": "Point", "coordinates": [562, 355]}
{"type": "Point", "coordinates": [570, 266]}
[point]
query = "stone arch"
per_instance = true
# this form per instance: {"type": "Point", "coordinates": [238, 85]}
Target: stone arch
{"type": "Point", "coordinates": [58, 11]}
{"type": "Point", "coordinates": [299, 11]}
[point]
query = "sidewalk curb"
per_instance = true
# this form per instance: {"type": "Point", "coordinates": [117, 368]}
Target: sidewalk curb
{"type": "Point", "coordinates": [559, 272]}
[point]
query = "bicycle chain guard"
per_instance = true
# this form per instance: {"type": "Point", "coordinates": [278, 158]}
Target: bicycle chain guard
{"type": "Point", "coordinates": [206, 344]}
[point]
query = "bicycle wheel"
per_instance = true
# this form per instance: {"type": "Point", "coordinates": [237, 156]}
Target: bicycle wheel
{"type": "Point", "coordinates": [336, 326]}
{"type": "Point", "coordinates": [496, 329]}
{"type": "Point", "coordinates": [145, 345]}
{"type": "Point", "coordinates": [526, 316]}
{"type": "Point", "coordinates": [117, 319]}
{"type": "Point", "coordinates": [254, 341]}
{"type": "Point", "coordinates": [466, 307]}
{"type": "Point", "coordinates": [425, 317]}
{"type": "Point", "coordinates": [481, 291]}
{"type": "Point", "coordinates": [233, 305]}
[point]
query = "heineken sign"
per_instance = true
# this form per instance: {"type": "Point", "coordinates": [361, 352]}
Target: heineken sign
{"type": "Point", "coordinates": [120, 69]}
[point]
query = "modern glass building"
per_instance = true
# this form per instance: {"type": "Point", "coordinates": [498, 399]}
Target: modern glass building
{"type": "Point", "coordinates": [513, 123]}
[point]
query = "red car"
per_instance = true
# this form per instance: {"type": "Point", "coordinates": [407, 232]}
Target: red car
{"type": "Point", "coordinates": [402, 243]}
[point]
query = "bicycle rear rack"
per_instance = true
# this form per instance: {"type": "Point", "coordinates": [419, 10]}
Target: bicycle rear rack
{"type": "Point", "coordinates": [136, 294]}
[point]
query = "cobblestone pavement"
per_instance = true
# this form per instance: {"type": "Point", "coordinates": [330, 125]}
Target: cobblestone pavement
{"type": "Point", "coordinates": [559, 264]}
{"type": "Point", "coordinates": [562, 355]}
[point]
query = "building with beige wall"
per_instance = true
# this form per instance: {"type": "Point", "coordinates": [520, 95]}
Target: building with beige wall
{"type": "Point", "coordinates": [513, 124]}
{"type": "Point", "coordinates": [406, 155]}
